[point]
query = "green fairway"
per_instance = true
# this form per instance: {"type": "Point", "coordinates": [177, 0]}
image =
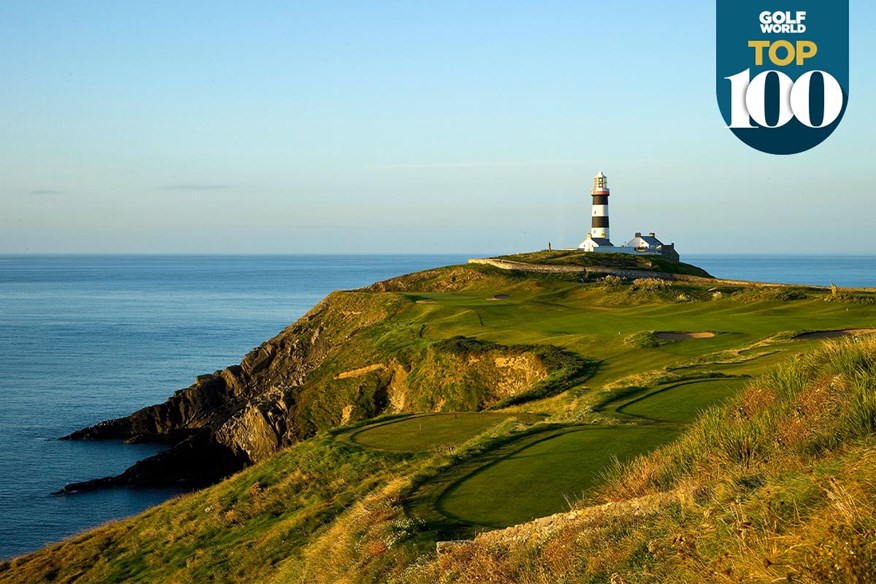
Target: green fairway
{"type": "Point", "coordinates": [443, 404]}
{"type": "Point", "coordinates": [682, 402]}
{"type": "Point", "coordinates": [595, 324]}
{"type": "Point", "coordinates": [543, 477]}
{"type": "Point", "coordinates": [668, 381]}
{"type": "Point", "coordinates": [421, 433]}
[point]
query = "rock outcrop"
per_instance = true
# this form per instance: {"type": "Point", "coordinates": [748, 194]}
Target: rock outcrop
{"type": "Point", "coordinates": [239, 414]}
{"type": "Point", "coordinates": [327, 369]}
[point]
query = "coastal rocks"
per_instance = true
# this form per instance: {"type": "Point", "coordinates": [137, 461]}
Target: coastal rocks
{"type": "Point", "coordinates": [259, 429]}
{"type": "Point", "coordinates": [235, 416]}
{"type": "Point", "coordinates": [188, 409]}
{"type": "Point", "coordinates": [195, 462]}
{"type": "Point", "coordinates": [327, 369]}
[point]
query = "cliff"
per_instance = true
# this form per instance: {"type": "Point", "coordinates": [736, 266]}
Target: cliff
{"type": "Point", "coordinates": [348, 359]}
{"type": "Point", "coordinates": [730, 447]}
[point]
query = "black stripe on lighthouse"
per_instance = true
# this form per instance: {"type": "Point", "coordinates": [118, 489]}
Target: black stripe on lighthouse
{"type": "Point", "coordinates": [600, 222]}
{"type": "Point", "coordinates": [600, 199]}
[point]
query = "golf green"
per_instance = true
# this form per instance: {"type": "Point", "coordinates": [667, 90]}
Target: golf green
{"type": "Point", "coordinates": [682, 402]}
{"type": "Point", "coordinates": [545, 476]}
{"type": "Point", "coordinates": [421, 433]}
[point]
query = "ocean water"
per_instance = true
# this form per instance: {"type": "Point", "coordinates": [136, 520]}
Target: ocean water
{"type": "Point", "coordinates": [850, 271]}
{"type": "Point", "coordinates": [87, 338]}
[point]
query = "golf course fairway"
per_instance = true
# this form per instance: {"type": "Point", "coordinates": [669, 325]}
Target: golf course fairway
{"type": "Point", "coordinates": [422, 433]}
{"type": "Point", "coordinates": [545, 476]}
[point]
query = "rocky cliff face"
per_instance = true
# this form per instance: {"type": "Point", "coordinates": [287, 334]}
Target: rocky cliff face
{"type": "Point", "coordinates": [203, 421]}
{"type": "Point", "coordinates": [327, 369]}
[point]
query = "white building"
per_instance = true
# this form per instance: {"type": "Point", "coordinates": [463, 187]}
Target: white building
{"type": "Point", "coordinates": [598, 238]}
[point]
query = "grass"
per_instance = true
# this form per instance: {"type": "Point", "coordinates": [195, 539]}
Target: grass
{"type": "Point", "coordinates": [682, 402]}
{"type": "Point", "coordinates": [425, 433]}
{"type": "Point", "coordinates": [778, 485]}
{"type": "Point", "coordinates": [599, 323]}
{"type": "Point", "coordinates": [539, 473]}
{"type": "Point", "coordinates": [238, 530]}
{"type": "Point", "coordinates": [367, 503]}
{"type": "Point", "coordinates": [392, 367]}
{"type": "Point", "coordinates": [546, 475]}
{"type": "Point", "coordinates": [596, 323]}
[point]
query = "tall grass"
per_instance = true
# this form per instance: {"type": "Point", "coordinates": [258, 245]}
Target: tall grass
{"type": "Point", "coordinates": [777, 485]}
{"type": "Point", "coordinates": [818, 401]}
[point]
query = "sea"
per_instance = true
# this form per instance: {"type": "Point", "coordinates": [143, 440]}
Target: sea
{"type": "Point", "coordinates": [85, 338]}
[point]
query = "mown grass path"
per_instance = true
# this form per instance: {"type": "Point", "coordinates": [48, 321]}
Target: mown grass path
{"type": "Point", "coordinates": [545, 475]}
{"type": "Point", "coordinates": [542, 470]}
{"type": "Point", "coordinates": [681, 402]}
{"type": "Point", "coordinates": [426, 432]}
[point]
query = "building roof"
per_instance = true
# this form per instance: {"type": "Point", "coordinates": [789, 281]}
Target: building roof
{"type": "Point", "coordinates": [649, 240]}
{"type": "Point", "coordinates": [592, 243]}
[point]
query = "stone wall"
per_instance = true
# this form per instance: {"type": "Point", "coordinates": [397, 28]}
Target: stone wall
{"type": "Point", "coordinates": [590, 272]}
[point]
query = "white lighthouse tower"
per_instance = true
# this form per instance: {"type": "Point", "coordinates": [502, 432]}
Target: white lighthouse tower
{"type": "Point", "coordinates": [600, 193]}
{"type": "Point", "coordinates": [598, 236]}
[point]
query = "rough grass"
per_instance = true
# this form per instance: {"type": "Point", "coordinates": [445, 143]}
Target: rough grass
{"type": "Point", "coordinates": [403, 372]}
{"type": "Point", "coordinates": [644, 340]}
{"type": "Point", "coordinates": [236, 531]}
{"type": "Point", "coordinates": [778, 485]}
{"type": "Point", "coordinates": [818, 401]}
{"type": "Point", "coordinates": [329, 511]}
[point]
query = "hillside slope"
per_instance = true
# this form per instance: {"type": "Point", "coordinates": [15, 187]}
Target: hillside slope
{"type": "Point", "coordinates": [349, 475]}
{"type": "Point", "coordinates": [778, 485]}
{"type": "Point", "coordinates": [350, 358]}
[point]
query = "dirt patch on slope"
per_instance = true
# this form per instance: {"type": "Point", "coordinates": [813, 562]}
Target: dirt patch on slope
{"type": "Point", "coordinates": [835, 334]}
{"type": "Point", "coordinates": [361, 371]}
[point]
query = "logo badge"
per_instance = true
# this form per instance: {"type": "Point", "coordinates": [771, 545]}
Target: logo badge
{"type": "Point", "coordinates": [782, 71]}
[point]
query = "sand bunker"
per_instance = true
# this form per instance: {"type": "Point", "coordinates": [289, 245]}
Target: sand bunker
{"type": "Point", "coordinates": [683, 336]}
{"type": "Point", "coordinates": [427, 302]}
{"type": "Point", "coordinates": [499, 297]}
{"type": "Point", "coordinates": [835, 334]}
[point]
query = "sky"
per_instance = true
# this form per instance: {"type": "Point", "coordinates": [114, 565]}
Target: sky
{"type": "Point", "coordinates": [429, 126]}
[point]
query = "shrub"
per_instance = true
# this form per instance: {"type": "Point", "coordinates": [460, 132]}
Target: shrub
{"type": "Point", "coordinates": [767, 293]}
{"type": "Point", "coordinates": [612, 282]}
{"type": "Point", "coordinates": [642, 340]}
{"type": "Point", "coordinates": [650, 284]}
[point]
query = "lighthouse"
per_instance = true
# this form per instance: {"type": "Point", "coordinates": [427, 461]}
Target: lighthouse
{"type": "Point", "coordinates": [600, 193]}
{"type": "Point", "coordinates": [598, 238]}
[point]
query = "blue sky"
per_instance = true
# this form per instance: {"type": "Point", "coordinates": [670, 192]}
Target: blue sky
{"type": "Point", "coordinates": [405, 127]}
